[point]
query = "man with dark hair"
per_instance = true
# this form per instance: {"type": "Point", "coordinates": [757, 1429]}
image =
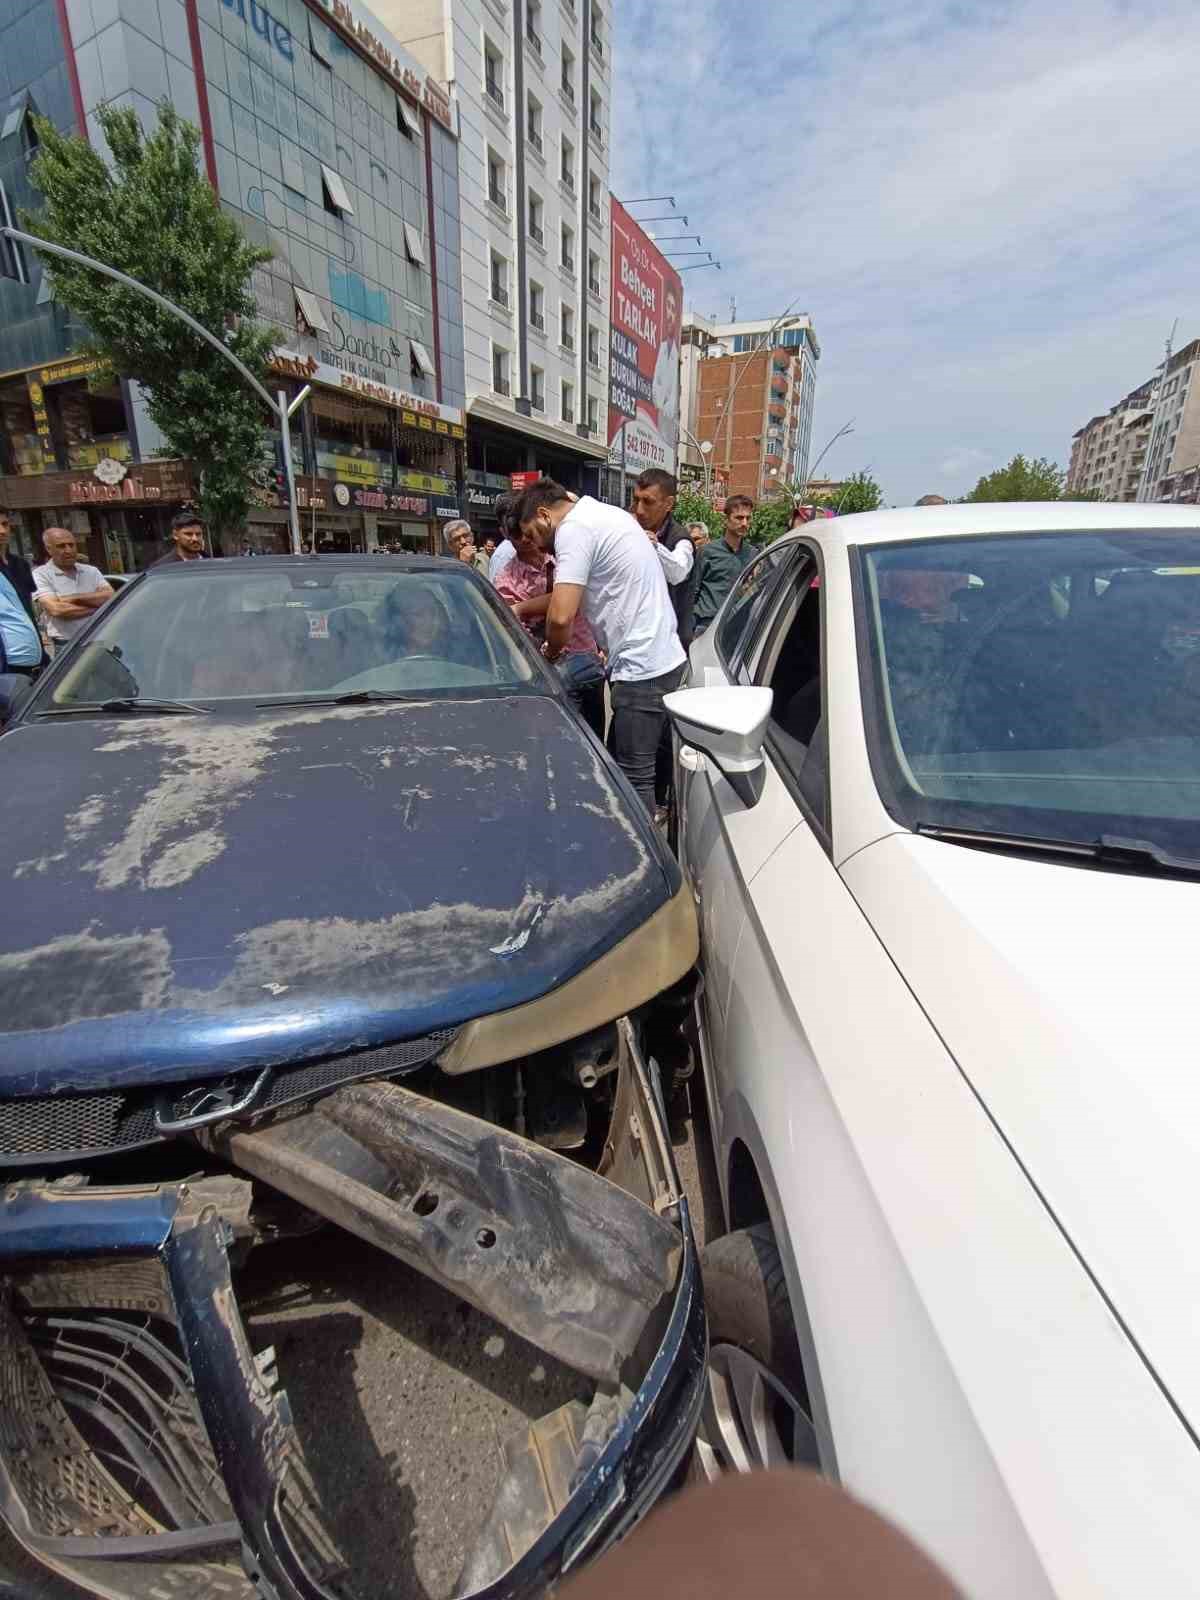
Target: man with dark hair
{"type": "Point", "coordinates": [931, 500]}
{"type": "Point", "coordinates": [187, 537]}
{"type": "Point", "coordinates": [654, 509]}
{"type": "Point", "coordinates": [505, 550]}
{"type": "Point", "coordinates": [722, 560]}
{"type": "Point", "coordinates": [605, 565]}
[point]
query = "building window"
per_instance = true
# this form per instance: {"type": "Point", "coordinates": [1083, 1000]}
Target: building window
{"type": "Point", "coordinates": [533, 124]}
{"type": "Point", "coordinates": [593, 414]}
{"type": "Point", "coordinates": [533, 17]}
{"type": "Point", "coordinates": [597, 30]}
{"type": "Point", "coordinates": [499, 279]}
{"type": "Point", "coordinates": [596, 116]}
{"type": "Point", "coordinates": [567, 326]}
{"type": "Point", "coordinates": [537, 388]}
{"type": "Point", "coordinates": [337, 198]}
{"type": "Point", "coordinates": [568, 163]}
{"type": "Point", "coordinates": [318, 42]}
{"type": "Point", "coordinates": [493, 73]}
{"type": "Point", "coordinates": [422, 366]}
{"type": "Point", "coordinates": [568, 248]}
{"type": "Point", "coordinates": [593, 272]}
{"type": "Point", "coordinates": [594, 348]}
{"type": "Point", "coordinates": [537, 307]}
{"type": "Point", "coordinates": [595, 199]}
{"type": "Point", "coordinates": [497, 181]}
{"type": "Point", "coordinates": [568, 74]}
{"type": "Point", "coordinates": [406, 119]}
{"type": "Point", "coordinates": [500, 370]}
{"type": "Point", "coordinates": [414, 246]}
{"type": "Point", "coordinates": [536, 215]}
{"type": "Point", "coordinates": [568, 401]}
{"type": "Point", "coordinates": [310, 318]}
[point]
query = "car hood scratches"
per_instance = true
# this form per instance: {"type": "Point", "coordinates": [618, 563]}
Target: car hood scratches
{"type": "Point", "coordinates": [254, 889]}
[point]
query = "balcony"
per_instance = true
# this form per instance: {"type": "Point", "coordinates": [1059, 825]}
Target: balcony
{"type": "Point", "coordinates": [568, 262]}
{"type": "Point", "coordinates": [501, 385]}
{"type": "Point", "coordinates": [567, 340]}
{"type": "Point", "coordinates": [594, 360]}
{"type": "Point", "coordinates": [537, 319]}
{"type": "Point", "coordinates": [498, 198]}
{"type": "Point", "coordinates": [568, 415]}
{"type": "Point", "coordinates": [567, 89]}
{"type": "Point", "coordinates": [500, 295]}
{"type": "Point", "coordinates": [534, 40]}
{"type": "Point", "coordinates": [779, 386]}
{"type": "Point", "coordinates": [535, 141]}
{"type": "Point", "coordinates": [597, 44]}
{"type": "Point", "coordinates": [776, 411]}
{"type": "Point", "coordinates": [568, 180]}
{"type": "Point", "coordinates": [594, 286]}
{"type": "Point", "coordinates": [537, 234]}
{"type": "Point", "coordinates": [597, 133]}
{"type": "Point", "coordinates": [596, 211]}
{"type": "Point", "coordinates": [538, 402]}
{"type": "Point", "coordinates": [495, 93]}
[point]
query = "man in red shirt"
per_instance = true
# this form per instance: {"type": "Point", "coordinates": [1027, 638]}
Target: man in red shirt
{"type": "Point", "coordinates": [525, 585]}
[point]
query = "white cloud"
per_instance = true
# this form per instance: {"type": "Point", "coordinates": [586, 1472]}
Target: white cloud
{"type": "Point", "coordinates": [986, 209]}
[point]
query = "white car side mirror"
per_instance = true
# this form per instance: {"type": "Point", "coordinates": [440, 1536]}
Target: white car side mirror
{"type": "Point", "coordinates": [729, 725]}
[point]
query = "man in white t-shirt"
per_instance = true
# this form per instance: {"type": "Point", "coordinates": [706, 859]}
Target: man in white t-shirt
{"type": "Point", "coordinates": [604, 563]}
{"type": "Point", "coordinates": [66, 590]}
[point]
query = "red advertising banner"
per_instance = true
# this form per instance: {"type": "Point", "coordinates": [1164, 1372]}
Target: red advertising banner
{"type": "Point", "coordinates": [643, 354]}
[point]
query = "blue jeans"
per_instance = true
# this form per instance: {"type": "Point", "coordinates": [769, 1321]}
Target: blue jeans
{"type": "Point", "coordinates": [582, 678]}
{"type": "Point", "coordinates": [638, 720]}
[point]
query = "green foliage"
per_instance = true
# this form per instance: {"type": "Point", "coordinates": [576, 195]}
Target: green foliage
{"type": "Point", "coordinates": [154, 217]}
{"type": "Point", "coordinates": [691, 505]}
{"type": "Point", "coordinates": [1021, 480]}
{"type": "Point", "coordinates": [772, 518]}
{"type": "Point", "coordinates": [860, 492]}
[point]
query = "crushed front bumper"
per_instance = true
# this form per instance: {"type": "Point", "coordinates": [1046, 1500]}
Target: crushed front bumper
{"type": "Point", "coordinates": [119, 1306]}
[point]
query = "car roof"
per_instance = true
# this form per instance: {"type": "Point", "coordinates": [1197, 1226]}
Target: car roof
{"type": "Point", "coordinates": [978, 519]}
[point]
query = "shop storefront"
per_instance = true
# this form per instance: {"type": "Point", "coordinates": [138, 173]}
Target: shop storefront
{"type": "Point", "coordinates": [501, 442]}
{"type": "Point", "coordinates": [120, 513]}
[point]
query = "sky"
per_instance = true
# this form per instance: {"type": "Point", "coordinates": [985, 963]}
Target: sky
{"type": "Point", "coordinates": [989, 209]}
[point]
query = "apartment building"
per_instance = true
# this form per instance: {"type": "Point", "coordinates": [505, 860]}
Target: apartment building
{"type": "Point", "coordinates": [532, 81]}
{"type": "Point", "coordinates": [1174, 443]}
{"type": "Point", "coordinates": [1109, 451]}
{"type": "Point", "coordinates": [748, 389]}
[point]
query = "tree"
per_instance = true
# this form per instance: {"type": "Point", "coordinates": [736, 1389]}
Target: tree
{"type": "Point", "coordinates": [859, 492]}
{"type": "Point", "coordinates": [153, 216]}
{"type": "Point", "coordinates": [691, 505]}
{"type": "Point", "coordinates": [1021, 480]}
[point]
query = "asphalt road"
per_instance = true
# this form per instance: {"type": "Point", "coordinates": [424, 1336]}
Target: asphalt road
{"type": "Point", "coordinates": [401, 1394]}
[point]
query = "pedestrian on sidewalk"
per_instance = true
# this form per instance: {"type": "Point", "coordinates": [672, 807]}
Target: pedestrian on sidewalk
{"type": "Point", "coordinates": [67, 590]}
{"type": "Point", "coordinates": [20, 575]}
{"type": "Point", "coordinates": [187, 537]}
{"type": "Point", "coordinates": [654, 510]}
{"type": "Point", "coordinates": [20, 642]}
{"type": "Point", "coordinates": [526, 584]}
{"type": "Point", "coordinates": [606, 567]}
{"type": "Point", "coordinates": [722, 560]}
{"type": "Point", "coordinates": [699, 534]}
{"type": "Point", "coordinates": [460, 541]}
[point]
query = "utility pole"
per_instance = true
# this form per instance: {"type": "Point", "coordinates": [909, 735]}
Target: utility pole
{"type": "Point", "coordinates": [279, 409]}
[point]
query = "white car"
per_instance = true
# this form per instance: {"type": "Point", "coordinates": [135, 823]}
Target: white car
{"type": "Point", "coordinates": [938, 797]}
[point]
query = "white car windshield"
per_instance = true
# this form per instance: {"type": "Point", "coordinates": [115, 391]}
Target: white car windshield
{"type": "Point", "coordinates": [312, 630]}
{"type": "Point", "coordinates": [1042, 685]}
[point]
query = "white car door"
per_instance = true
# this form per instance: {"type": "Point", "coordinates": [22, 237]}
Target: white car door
{"type": "Point", "coordinates": [724, 844]}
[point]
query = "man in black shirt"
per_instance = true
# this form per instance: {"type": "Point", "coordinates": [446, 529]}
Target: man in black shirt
{"type": "Point", "coordinates": [187, 537]}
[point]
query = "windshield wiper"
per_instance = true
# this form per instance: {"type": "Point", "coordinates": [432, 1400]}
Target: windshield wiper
{"type": "Point", "coordinates": [1109, 850]}
{"type": "Point", "coordinates": [129, 702]}
{"type": "Point", "coordinates": [355, 697]}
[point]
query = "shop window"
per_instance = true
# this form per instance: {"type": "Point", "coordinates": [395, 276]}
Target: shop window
{"type": "Point", "coordinates": [337, 196]}
{"type": "Point", "coordinates": [414, 245]}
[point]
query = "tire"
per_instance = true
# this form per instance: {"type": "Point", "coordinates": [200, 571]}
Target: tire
{"type": "Point", "coordinates": [757, 1410]}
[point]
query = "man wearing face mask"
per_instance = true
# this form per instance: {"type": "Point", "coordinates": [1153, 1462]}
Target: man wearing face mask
{"type": "Point", "coordinates": [606, 567]}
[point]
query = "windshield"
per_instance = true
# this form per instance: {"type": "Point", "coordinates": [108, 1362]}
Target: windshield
{"type": "Point", "coordinates": [1044, 685]}
{"type": "Point", "coordinates": [316, 630]}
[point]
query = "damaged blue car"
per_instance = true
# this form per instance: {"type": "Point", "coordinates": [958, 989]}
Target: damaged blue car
{"type": "Point", "coordinates": [324, 915]}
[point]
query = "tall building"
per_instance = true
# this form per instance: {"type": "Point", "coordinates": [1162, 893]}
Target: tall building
{"type": "Point", "coordinates": [1174, 446]}
{"type": "Point", "coordinates": [330, 145]}
{"type": "Point", "coordinates": [767, 436]}
{"type": "Point", "coordinates": [533, 85]}
{"type": "Point", "coordinates": [1109, 452]}
{"type": "Point", "coordinates": [748, 389]}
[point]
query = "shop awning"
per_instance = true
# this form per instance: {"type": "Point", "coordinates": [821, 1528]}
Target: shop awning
{"type": "Point", "coordinates": [483, 410]}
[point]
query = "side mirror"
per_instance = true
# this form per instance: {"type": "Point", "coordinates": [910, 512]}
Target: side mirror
{"type": "Point", "coordinates": [15, 689]}
{"type": "Point", "coordinates": [729, 726]}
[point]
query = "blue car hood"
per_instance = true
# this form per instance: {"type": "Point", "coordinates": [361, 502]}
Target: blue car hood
{"type": "Point", "coordinates": [186, 893]}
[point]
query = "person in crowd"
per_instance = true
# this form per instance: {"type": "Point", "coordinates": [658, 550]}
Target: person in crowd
{"type": "Point", "coordinates": [654, 510]}
{"type": "Point", "coordinates": [460, 541]}
{"type": "Point", "coordinates": [698, 533]}
{"type": "Point", "coordinates": [20, 642]}
{"type": "Point", "coordinates": [932, 500]}
{"type": "Point", "coordinates": [67, 590]}
{"type": "Point", "coordinates": [526, 585]}
{"type": "Point", "coordinates": [606, 567]}
{"type": "Point", "coordinates": [505, 550]}
{"type": "Point", "coordinates": [16, 569]}
{"type": "Point", "coordinates": [722, 560]}
{"type": "Point", "coordinates": [187, 537]}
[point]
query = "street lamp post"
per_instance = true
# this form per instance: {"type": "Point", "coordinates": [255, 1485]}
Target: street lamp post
{"type": "Point", "coordinates": [705, 450]}
{"type": "Point", "coordinates": [280, 408]}
{"type": "Point", "coordinates": [846, 427]}
{"type": "Point", "coordinates": [770, 334]}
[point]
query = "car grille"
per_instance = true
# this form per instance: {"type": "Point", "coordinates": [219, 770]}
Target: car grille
{"type": "Point", "coordinates": [69, 1126]}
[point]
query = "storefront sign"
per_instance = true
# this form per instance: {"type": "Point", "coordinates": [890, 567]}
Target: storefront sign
{"type": "Point", "coordinates": [64, 371]}
{"type": "Point", "coordinates": [482, 497]}
{"type": "Point", "coordinates": [521, 481]}
{"type": "Point", "coordinates": [310, 371]}
{"type": "Point", "coordinates": [109, 470]}
{"type": "Point", "coordinates": [402, 68]}
{"type": "Point", "coordinates": [643, 386]}
{"type": "Point", "coordinates": [142, 484]}
{"type": "Point", "coordinates": [416, 505]}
